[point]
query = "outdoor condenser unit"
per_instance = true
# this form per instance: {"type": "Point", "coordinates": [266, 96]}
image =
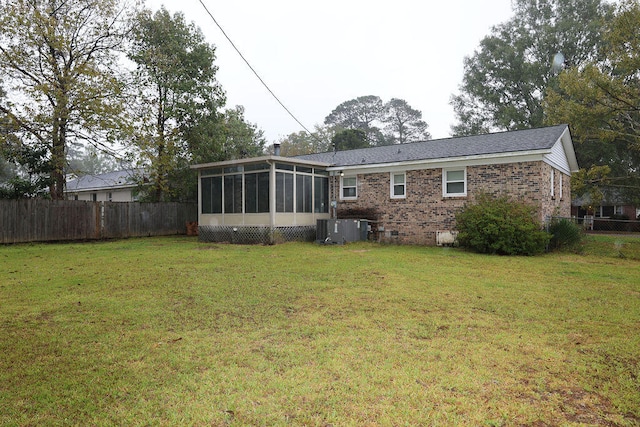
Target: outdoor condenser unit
{"type": "Point", "coordinates": [339, 231]}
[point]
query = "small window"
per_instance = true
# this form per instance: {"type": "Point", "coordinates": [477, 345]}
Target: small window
{"type": "Point", "coordinates": [110, 197]}
{"type": "Point", "coordinates": [233, 169]}
{"type": "Point", "coordinates": [257, 167]}
{"type": "Point", "coordinates": [284, 167]}
{"type": "Point", "coordinates": [606, 211]}
{"type": "Point", "coordinates": [560, 186]}
{"type": "Point", "coordinates": [94, 197]}
{"type": "Point", "coordinates": [553, 192]}
{"type": "Point", "coordinates": [349, 187]}
{"type": "Point", "coordinates": [398, 185]}
{"type": "Point", "coordinates": [208, 172]}
{"type": "Point", "coordinates": [454, 182]}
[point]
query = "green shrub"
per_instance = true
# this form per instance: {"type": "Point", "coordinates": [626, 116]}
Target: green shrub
{"type": "Point", "coordinates": [565, 235]}
{"type": "Point", "coordinates": [499, 225]}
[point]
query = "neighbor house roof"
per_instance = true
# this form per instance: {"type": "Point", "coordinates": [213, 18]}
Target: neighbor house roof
{"type": "Point", "coordinates": [540, 140]}
{"type": "Point", "coordinates": [110, 180]}
{"type": "Point", "coordinates": [610, 197]}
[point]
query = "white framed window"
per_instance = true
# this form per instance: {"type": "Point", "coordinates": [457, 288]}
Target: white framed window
{"type": "Point", "coordinates": [454, 182]}
{"type": "Point", "coordinates": [560, 186]}
{"type": "Point", "coordinates": [553, 192]}
{"type": "Point", "coordinates": [349, 187]}
{"type": "Point", "coordinates": [398, 185]}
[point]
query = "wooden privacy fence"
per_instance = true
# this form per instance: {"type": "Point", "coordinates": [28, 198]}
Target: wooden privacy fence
{"type": "Point", "coordinates": [38, 220]}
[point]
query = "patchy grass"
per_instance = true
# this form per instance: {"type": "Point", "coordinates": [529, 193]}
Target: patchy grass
{"type": "Point", "coordinates": [170, 331]}
{"type": "Point", "coordinates": [616, 246]}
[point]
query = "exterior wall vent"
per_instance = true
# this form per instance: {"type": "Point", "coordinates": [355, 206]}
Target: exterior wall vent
{"type": "Point", "coordinates": [446, 238]}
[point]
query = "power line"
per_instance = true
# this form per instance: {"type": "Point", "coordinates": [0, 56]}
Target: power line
{"type": "Point", "coordinates": [254, 71]}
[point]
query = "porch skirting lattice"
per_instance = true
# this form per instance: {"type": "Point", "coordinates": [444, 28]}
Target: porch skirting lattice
{"type": "Point", "coordinates": [244, 234]}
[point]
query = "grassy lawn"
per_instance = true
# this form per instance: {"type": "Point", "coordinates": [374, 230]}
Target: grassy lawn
{"type": "Point", "coordinates": [171, 331]}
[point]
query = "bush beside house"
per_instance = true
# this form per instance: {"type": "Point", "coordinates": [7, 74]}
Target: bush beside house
{"type": "Point", "coordinates": [499, 225]}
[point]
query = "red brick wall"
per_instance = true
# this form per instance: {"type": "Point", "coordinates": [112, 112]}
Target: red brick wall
{"type": "Point", "coordinates": [416, 218]}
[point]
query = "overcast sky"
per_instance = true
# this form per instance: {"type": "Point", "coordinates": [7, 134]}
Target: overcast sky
{"type": "Point", "coordinates": [315, 55]}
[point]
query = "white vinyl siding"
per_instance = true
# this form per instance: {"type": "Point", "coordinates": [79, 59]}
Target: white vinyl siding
{"type": "Point", "coordinates": [558, 157]}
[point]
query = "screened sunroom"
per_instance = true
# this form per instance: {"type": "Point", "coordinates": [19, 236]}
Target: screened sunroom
{"type": "Point", "coordinates": [261, 200]}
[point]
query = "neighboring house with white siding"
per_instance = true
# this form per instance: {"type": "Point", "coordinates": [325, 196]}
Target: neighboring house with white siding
{"type": "Point", "coordinates": [408, 192]}
{"type": "Point", "coordinates": [118, 186]}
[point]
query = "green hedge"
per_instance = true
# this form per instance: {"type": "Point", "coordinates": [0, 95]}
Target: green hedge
{"type": "Point", "coordinates": [565, 235]}
{"type": "Point", "coordinates": [499, 225]}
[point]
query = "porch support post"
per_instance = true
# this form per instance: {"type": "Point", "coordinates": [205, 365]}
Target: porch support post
{"type": "Point", "coordinates": [272, 196]}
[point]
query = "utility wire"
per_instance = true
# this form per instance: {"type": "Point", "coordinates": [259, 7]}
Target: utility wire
{"type": "Point", "coordinates": [255, 72]}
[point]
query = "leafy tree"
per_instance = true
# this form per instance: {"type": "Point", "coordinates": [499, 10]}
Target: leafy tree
{"type": "Point", "coordinates": [7, 169]}
{"type": "Point", "coordinates": [59, 63]}
{"type": "Point", "coordinates": [299, 143]}
{"type": "Point", "coordinates": [368, 113]}
{"type": "Point", "coordinates": [362, 113]}
{"type": "Point", "coordinates": [349, 139]}
{"type": "Point", "coordinates": [506, 77]}
{"type": "Point", "coordinates": [31, 175]}
{"type": "Point", "coordinates": [404, 124]}
{"type": "Point", "coordinates": [227, 137]}
{"type": "Point", "coordinates": [178, 96]}
{"type": "Point", "coordinates": [601, 102]}
{"type": "Point", "coordinates": [92, 162]}
{"type": "Point", "coordinates": [239, 138]}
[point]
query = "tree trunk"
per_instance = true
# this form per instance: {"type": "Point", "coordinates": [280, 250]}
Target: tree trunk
{"type": "Point", "coordinates": [58, 158]}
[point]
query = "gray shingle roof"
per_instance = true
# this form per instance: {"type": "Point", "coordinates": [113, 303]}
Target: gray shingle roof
{"type": "Point", "coordinates": [494, 143]}
{"type": "Point", "coordinates": [123, 178]}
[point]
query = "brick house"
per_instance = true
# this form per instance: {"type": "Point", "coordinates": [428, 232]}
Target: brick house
{"type": "Point", "coordinates": [408, 192]}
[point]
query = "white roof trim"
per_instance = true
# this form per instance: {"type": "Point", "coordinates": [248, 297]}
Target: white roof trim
{"type": "Point", "coordinates": [261, 159]}
{"type": "Point", "coordinates": [484, 159]}
{"type": "Point", "coordinates": [569, 151]}
{"type": "Point", "coordinates": [103, 188]}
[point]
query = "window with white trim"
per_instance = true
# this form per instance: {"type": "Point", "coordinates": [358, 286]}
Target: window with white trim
{"type": "Point", "coordinates": [553, 192]}
{"type": "Point", "coordinates": [454, 182]}
{"type": "Point", "coordinates": [398, 185]}
{"type": "Point", "coordinates": [560, 186]}
{"type": "Point", "coordinates": [349, 187]}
